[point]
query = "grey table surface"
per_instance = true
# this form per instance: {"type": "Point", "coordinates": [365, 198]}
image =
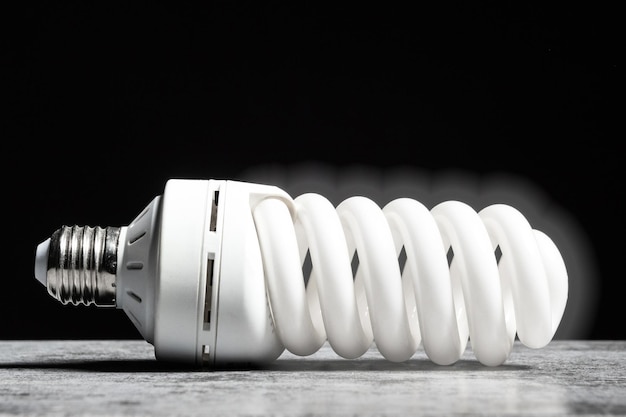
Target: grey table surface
{"type": "Point", "coordinates": [117, 378]}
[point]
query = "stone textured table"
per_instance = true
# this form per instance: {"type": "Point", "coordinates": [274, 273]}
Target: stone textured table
{"type": "Point", "coordinates": [110, 378]}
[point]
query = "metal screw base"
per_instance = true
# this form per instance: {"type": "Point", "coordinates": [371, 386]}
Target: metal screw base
{"type": "Point", "coordinates": [82, 265]}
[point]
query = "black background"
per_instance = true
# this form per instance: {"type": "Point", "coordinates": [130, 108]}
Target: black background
{"type": "Point", "coordinates": [108, 100]}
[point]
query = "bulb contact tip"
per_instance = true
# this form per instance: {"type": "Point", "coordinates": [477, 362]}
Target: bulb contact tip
{"type": "Point", "coordinates": [41, 262]}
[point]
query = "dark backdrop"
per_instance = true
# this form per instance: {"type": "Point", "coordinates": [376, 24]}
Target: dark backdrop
{"type": "Point", "coordinates": [107, 100]}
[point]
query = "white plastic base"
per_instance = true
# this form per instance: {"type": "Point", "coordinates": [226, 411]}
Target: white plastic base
{"type": "Point", "coordinates": [188, 263]}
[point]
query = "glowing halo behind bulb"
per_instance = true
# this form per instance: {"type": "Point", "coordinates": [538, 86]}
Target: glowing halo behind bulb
{"type": "Point", "coordinates": [212, 272]}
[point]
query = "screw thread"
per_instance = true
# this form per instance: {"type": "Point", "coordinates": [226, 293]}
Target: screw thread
{"type": "Point", "coordinates": [82, 265]}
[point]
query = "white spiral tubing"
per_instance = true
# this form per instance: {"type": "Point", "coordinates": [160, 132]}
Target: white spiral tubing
{"type": "Point", "coordinates": [441, 306]}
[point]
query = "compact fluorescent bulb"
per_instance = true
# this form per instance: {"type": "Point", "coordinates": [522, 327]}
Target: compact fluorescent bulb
{"type": "Point", "coordinates": [215, 272]}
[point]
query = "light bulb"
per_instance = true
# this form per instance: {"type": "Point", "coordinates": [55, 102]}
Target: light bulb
{"type": "Point", "coordinates": [219, 271]}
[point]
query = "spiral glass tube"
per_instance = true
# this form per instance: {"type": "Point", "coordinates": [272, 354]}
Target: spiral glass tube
{"type": "Point", "coordinates": [477, 296]}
